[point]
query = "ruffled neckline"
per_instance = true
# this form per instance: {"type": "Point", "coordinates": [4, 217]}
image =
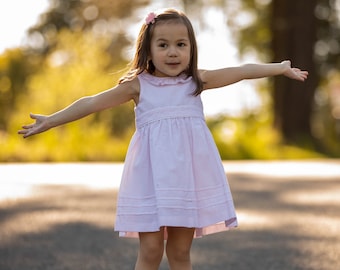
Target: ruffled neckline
{"type": "Point", "coordinates": [182, 78]}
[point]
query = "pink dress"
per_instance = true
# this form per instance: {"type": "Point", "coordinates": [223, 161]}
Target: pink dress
{"type": "Point", "coordinates": [173, 174]}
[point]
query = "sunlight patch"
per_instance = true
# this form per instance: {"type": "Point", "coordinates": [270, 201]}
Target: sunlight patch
{"type": "Point", "coordinates": [320, 197]}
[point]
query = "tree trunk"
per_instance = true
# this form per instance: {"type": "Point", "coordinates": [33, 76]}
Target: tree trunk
{"type": "Point", "coordinates": [294, 36]}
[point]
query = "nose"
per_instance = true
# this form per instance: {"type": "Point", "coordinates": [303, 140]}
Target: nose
{"type": "Point", "coordinates": [172, 52]}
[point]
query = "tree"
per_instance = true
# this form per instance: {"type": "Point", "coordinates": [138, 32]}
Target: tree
{"type": "Point", "coordinates": [15, 68]}
{"type": "Point", "coordinates": [43, 77]}
{"type": "Point", "coordinates": [308, 33]}
{"type": "Point", "coordinates": [294, 33]}
{"type": "Point", "coordinates": [102, 17]}
{"type": "Point", "coordinates": [76, 67]}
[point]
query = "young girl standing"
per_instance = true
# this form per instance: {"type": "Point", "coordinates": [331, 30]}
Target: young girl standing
{"type": "Point", "coordinates": [173, 185]}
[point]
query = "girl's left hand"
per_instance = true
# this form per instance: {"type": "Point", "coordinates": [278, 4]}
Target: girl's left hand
{"type": "Point", "coordinates": [294, 73]}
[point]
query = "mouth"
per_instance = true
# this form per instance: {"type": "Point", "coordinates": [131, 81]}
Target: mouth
{"type": "Point", "coordinates": [172, 64]}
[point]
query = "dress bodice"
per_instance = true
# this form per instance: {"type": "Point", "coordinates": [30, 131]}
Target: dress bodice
{"type": "Point", "coordinates": [166, 97]}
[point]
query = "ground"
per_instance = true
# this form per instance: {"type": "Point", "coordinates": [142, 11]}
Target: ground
{"type": "Point", "coordinates": [288, 219]}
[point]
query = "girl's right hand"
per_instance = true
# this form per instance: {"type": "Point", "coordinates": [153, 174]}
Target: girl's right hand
{"type": "Point", "coordinates": [40, 125]}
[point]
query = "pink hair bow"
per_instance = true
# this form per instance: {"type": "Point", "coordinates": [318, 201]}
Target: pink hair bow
{"type": "Point", "coordinates": [150, 18]}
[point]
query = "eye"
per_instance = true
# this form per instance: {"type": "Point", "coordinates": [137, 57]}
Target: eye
{"type": "Point", "coordinates": [181, 44]}
{"type": "Point", "coordinates": [162, 45]}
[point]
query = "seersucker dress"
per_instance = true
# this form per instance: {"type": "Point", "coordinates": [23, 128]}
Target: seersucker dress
{"type": "Point", "coordinates": [173, 174]}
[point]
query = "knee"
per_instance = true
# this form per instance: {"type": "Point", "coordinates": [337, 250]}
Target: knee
{"type": "Point", "coordinates": [178, 253]}
{"type": "Point", "coordinates": [152, 252]}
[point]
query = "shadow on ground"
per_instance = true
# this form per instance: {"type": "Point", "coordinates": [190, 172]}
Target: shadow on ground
{"type": "Point", "coordinates": [285, 223]}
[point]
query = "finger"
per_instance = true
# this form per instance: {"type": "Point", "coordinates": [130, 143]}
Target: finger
{"type": "Point", "coordinates": [28, 126]}
{"type": "Point", "coordinates": [34, 116]}
{"type": "Point", "coordinates": [28, 133]}
{"type": "Point", "coordinates": [305, 74]}
{"type": "Point", "coordinates": [25, 133]}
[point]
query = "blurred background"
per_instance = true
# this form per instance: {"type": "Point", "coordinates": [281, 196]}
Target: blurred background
{"type": "Point", "coordinates": [58, 215]}
{"type": "Point", "coordinates": [53, 52]}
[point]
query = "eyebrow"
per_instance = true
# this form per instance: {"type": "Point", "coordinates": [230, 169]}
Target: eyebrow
{"type": "Point", "coordinates": [181, 39]}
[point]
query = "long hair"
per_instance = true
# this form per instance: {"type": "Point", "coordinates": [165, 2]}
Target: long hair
{"type": "Point", "coordinates": [141, 61]}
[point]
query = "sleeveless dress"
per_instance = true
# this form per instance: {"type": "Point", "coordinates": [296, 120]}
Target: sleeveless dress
{"type": "Point", "coordinates": [173, 174]}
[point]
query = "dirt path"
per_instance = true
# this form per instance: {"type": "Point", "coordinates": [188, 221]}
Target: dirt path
{"type": "Point", "coordinates": [286, 222]}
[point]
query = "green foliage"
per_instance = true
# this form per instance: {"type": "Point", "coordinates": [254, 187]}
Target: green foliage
{"type": "Point", "coordinates": [261, 31]}
{"type": "Point", "coordinates": [78, 66]}
{"type": "Point", "coordinates": [75, 50]}
{"type": "Point", "coordinates": [252, 137]}
{"type": "Point", "coordinates": [250, 23]}
{"type": "Point", "coordinates": [81, 54]}
{"type": "Point", "coordinates": [77, 141]}
{"type": "Point", "coordinates": [110, 18]}
{"type": "Point", "coordinates": [326, 118]}
{"type": "Point", "coordinates": [15, 67]}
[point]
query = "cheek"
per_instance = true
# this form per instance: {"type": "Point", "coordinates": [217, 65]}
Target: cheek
{"type": "Point", "coordinates": [154, 56]}
{"type": "Point", "coordinates": [154, 51]}
{"type": "Point", "coordinates": [158, 56]}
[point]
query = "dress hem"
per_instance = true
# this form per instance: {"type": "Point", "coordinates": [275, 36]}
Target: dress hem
{"type": "Point", "coordinates": [199, 232]}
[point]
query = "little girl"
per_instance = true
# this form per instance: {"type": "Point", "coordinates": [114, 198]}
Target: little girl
{"type": "Point", "coordinates": [173, 185]}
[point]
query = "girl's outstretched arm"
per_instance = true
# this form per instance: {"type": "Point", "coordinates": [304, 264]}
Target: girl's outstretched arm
{"type": "Point", "coordinates": [83, 107]}
{"type": "Point", "coordinates": [226, 76]}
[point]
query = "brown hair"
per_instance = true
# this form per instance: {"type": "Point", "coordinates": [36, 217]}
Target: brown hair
{"type": "Point", "coordinates": [141, 60]}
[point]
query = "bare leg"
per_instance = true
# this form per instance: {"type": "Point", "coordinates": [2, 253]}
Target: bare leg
{"type": "Point", "coordinates": [151, 248]}
{"type": "Point", "coordinates": [178, 247]}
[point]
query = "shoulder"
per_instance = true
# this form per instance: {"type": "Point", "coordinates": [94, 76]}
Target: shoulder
{"type": "Point", "coordinates": [131, 87]}
{"type": "Point", "coordinates": [206, 77]}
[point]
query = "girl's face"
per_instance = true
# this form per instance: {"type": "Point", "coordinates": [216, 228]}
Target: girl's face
{"type": "Point", "coordinates": [170, 49]}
